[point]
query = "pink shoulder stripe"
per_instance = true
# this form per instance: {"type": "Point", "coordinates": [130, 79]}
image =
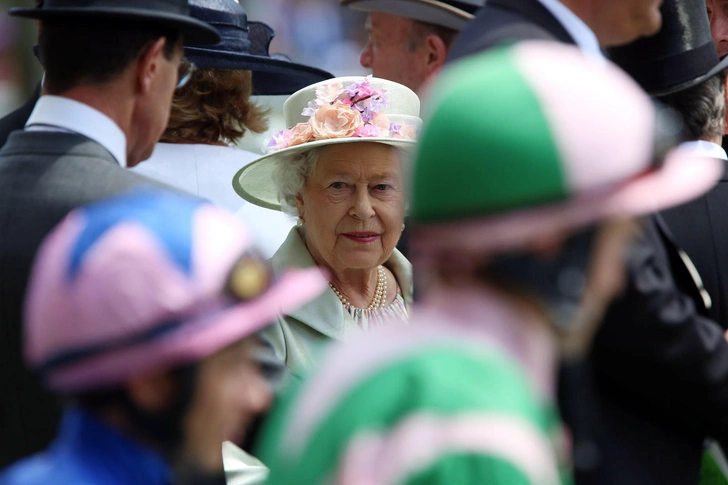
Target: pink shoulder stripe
{"type": "Point", "coordinates": [419, 441]}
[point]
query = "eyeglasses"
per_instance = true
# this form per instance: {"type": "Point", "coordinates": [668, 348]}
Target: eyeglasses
{"type": "Point", "coordinates": [184, 73]}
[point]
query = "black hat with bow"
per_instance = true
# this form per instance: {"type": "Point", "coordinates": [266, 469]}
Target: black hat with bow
{"type": "Point", "coordinates": [244, 46]}
{"type": "Point", "coordinates": [680, 56]}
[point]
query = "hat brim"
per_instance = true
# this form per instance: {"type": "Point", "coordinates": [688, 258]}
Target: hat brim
{"type": "Point", "coordinates": [682, 178]}
{"type": "Point", "coordinates": [195, 31]}
{"type": "Point", "coordinates": [721, 66]}
{"type": "Point", "coordinates": [430, 11]}
{"type": "Point", "coordinates": [271, 76]}
{"type": "Point", "coordinates": [196, 339]}
{"type": "Point", "coordinates": [254, 182]}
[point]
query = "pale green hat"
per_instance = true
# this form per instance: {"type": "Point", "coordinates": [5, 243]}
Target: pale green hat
{"type": "Point", "coordinates": [341, 110]}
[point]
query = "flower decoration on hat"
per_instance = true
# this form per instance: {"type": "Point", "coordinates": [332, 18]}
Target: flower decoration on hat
{"type": "Point", "coordinates": [355, 111]}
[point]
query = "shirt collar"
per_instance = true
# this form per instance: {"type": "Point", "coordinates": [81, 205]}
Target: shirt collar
{"type": "Point", "coordinates": [579, 31]}
{"type": "Point", "coordinates": [67, 114]}
{"type": "Point", "coordinates": [702, 148]}
{"type": "Point", "coordinates": [100, 448]}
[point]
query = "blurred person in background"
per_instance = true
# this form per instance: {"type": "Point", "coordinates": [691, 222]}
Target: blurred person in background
{"type": "Point", "coordinates": [690, 81]}
{"type": "Point", "coordinates": [637, 369]}
{"type": "Point", "coordinates": [213, 111]}
{"type": "Point", "coordinates": [409, 39]}
{"type": "Point", "coordinates": [589, 24]}
{"type": "Point", "coordinates": [466, 393]}
{"type": "Point", "coordinates": [16, 119]}
{"type": "Point", "coordinates": [718, 15]}
{"type": "Point", "coordinates": [141, 313]}
{"type": "Point", "coordinates": [338, 170]}
{"type": "Point", "coordinates": [111, 68]}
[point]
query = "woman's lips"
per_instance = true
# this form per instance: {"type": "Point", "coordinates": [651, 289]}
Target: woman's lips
{"type": "Point", "coordinates": [362, 237]}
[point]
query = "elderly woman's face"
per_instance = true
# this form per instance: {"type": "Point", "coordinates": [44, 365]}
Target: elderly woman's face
{"type": "Point", "coordinates": [353, 206]}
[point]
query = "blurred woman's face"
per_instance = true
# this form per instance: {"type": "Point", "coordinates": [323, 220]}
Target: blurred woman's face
{"type": "Point", "coordinates": [352, 206]}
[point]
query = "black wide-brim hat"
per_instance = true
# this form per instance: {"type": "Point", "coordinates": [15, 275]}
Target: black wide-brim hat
{"type": "Point", "coordinates": [245, 45]}
{"type": "Point", "coordinates": [682, 55]}
{"type": "Point", "coordinates": [168, 13]}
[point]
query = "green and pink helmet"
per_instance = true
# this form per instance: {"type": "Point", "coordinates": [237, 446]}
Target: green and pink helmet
{"type": "Point", "coordinates": [540, 136]}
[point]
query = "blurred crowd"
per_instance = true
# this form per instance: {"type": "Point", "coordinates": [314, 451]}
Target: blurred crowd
{"type": "Point", "coordinates": [363, 242]}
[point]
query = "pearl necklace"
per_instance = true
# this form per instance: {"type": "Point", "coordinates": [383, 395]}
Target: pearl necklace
{"type": "Point", "coordinates": [380, 294]}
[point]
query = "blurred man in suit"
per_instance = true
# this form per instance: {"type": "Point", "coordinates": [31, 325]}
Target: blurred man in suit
{"type": "Point", "coordinates": [409, 39]}
{"type": "Point", "coordinates": [111, 68]}
{"type": "Point", "coordinates": [662, 365]}
{"type": "Point", "coordinates": [16, 119]}
{"type": "Point", "coordinates": [590, 24]}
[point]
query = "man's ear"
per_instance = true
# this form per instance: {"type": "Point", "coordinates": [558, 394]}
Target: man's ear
{"type": "Point", "coordinates": [149, 64]}
{"type": "Point", "coordinates": [152, 392]}
{"type": "Point", "coordinates": [436, 53]}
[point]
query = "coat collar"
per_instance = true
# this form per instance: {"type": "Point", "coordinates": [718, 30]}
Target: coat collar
{"type": "Point", "coordinates": [537, 13]}
{"type": "Point", "coordinates": [326, 314]}
{"type": "Point", "coordinates": [57, 112]}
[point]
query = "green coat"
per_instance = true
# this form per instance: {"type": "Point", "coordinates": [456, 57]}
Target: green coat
{"type": "Point", "coordinates": [294, 338]}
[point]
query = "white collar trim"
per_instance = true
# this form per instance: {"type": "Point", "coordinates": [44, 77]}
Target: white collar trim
{"type": "Point", "coordinates": [67, 114]}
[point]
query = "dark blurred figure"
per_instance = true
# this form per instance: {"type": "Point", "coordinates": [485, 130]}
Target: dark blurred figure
{"type": "Point", "coordinates": [590, 24]}
{"type": "Point", "coordinates": [16, 120]}
{"type": "Point", "coordinates": [409, 39]}
{"type": "Point", "coordinates": [108, 85]}
{"type": "Point", "coordinates": [718, 15]}
{"type": "Point", "coordinates": [677, 395]}
{"type": "Point", "coordinates": [655, 352]}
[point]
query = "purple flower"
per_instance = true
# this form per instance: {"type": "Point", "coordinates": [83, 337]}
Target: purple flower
{"type": "Point", "coordinates": [310, 109]}
{"type": "Point", "coordinates": [366, 114]}
{"type": "Point", "coordinates": [378, 103]}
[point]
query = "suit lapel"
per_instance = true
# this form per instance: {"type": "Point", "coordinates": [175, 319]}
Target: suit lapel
{"type": "Point", "coordinates": [536, 13]}
{"type": "Point", "coordinates": [679, 255]}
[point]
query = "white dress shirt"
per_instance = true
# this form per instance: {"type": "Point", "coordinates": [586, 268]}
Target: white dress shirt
{"type": "Point", "coordinates": [704, 149]}
{"type": "Point", "coordinates": [207, 171]}
{"type": "Point", "coordinates": [55, 113]}
{"type": "Point", "coordinates": [584, 37]}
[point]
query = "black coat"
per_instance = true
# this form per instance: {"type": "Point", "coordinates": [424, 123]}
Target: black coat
{"type": "Point", "coordinates": [43, 176]}
{"type": "Point", "coordinates": [16, 120]}
{"type": "Point", "coordinates": [701, 229]}
{"type": "Point", "coordinates": [659, 368]}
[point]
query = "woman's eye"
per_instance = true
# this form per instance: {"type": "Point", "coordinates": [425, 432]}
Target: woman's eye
{"type": "Point", "coordinates": [382, 187]}
{"type": "Point", "coordinates": [338, 185]}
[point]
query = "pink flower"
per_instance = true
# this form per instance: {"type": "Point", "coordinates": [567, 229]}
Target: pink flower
{"type": "Point", "coordinates": [365, 90]}
{"type": "Point", "coordinates": [335, 121]}
{"type": "Point", "coordinates": [381, 121]}
{"type": "Point", "coordinates": [367, 131]}
{"type": "Point", "coordinates": [407, 132]}
{"type": "Point", "coordinates": [329, 93]}
{"type": "Point", "coordinates": [301, 133]}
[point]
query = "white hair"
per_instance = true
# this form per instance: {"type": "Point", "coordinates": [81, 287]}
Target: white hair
{"type": "Point", "coordinates": [290, 175]}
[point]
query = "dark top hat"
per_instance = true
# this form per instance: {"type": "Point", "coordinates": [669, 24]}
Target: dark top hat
{"type": "Point", "coordinates": [170, 13]}
{"type": "Point", "coordinates": [680, 56]}
{"type": "Point", "coordinates": [244, 46]}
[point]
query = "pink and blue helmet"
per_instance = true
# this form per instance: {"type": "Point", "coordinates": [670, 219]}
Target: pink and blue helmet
{"type": "Point", "coordinates": [146, 281]}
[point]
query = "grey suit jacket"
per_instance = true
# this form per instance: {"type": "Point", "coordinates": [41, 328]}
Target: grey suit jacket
{"type": "Point", "coordinates": [43, 176]}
